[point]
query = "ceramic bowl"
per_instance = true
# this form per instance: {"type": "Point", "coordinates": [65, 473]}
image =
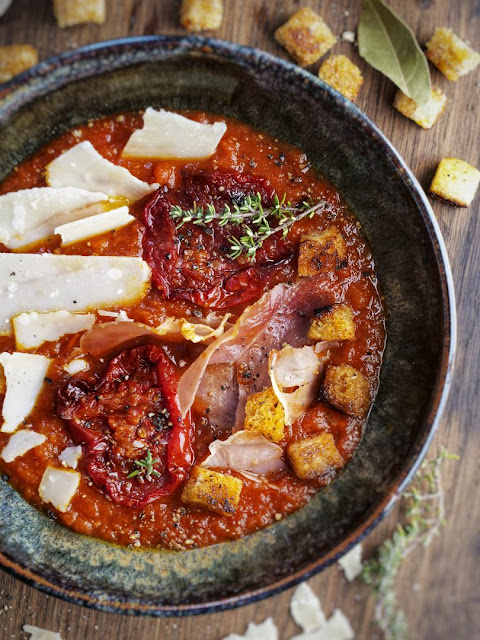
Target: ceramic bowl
{"type": "Point", "coordinates": [397, 220]}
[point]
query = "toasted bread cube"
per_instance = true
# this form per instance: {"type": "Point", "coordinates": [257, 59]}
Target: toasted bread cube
{"type": "Point", "coordinates": [455, 182]}
{"type": "Point", "coordinates": [320, 250]}
{"type": "Point", "coordinates": [425, 116]}
{"type": "Point", "coordinates": [71, 12]}
{"type": "Point", "coordinates": [333, 323]}
{"type": "Point", "coordinates": [315, 457]}
{"type": "Point", "coordinates": [16, 58]}
{"type": "Point", "coordinates": [213, 491]}
{"type": "Point", "coordinates": [305, 36]}
{"type": "Point", "coordinates": [343, 75]}
{"type": "Point", "coordinates": [451, 55]}
{"type": "Point", "coordinates": [265, 414]}
{"type": "Point", "coordinates": [201, 15]}
{"type": "Point", "coordinates": [347, 389]}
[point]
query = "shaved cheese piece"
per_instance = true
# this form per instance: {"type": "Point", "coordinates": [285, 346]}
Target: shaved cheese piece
{"type": "Point", "coordinates": [120, 316]}
{"type": "Point", "coordinates": [21, 442]}
{"type": "Point", "coordinates": [306, 609]}
{"type": "Point", "coordinates": [170, 135]}
{"type": "Point", "coordinates": [351, 563]}
{"type": "Point", "coordinates": [266, 630]}
{"type": "Point", "coordinates": [295, 375]}
{"type": "Point", "coordinates": [75, 366]}
{"type": "Point", "coordinates": [25, 374]}
{"type": "Point", "coordinates": [337, 627]}
{"type": "Point", "coordinates": [58, 486]}
{"type": "Point", "coordinates": [31, 215]}
{"type": "Point", "coordinates": [83, 167]}
{"type": "Point", "coordinates": [70, 456]}
{"type": "Point", "coordinates": [40, 634]}
{"type": "Point", "coordinates": [50, 282]}
{"type": "Point", "coordinates": [194, 332]}
{"type": "Point", "coordinates": [33, 329]}
{"type": "Point", "coordinates": [79, 230]}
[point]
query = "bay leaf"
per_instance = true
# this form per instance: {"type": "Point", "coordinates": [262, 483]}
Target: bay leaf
{"type": "Point", "coordinates": [388, 44]}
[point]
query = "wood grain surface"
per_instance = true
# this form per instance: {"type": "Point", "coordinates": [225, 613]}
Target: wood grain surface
{"type": "Point", "coordinates": [438, 587]}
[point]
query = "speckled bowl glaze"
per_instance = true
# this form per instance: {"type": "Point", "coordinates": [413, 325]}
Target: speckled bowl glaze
{"type": "Point", "coordinates": [397, 221]}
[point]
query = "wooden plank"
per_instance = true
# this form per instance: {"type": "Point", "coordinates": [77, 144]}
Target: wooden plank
{"type": "Point", "coordinates": [438, 587]}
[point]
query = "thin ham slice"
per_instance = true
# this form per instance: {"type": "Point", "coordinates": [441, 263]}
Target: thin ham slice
{"type": "Point", "coordinates": [281, 315]}
{"type": "Point", "coordinates": [245, 451]}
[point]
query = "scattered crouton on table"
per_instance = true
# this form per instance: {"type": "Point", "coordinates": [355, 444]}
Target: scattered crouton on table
{"type": "Point", "coordinates": [425, 116]}
{"type": "Point", "coordinates": [343, 75]}
{"type": "Point", "coordinates": [305, 36]}
{"type": "Point", "coordinates": [16, 58]}
{"type": "Point", "coordinates": [265, 414]}
{"type": "Point", "coordinates": [201, 15]}
{"type": "Point", "coordinates": [333, 323]}
{"type": "Point", "coordinates": [347, 389]}
{"type": "Point", "coordinates": [213, 491]}
{"type": "Point", "coordinates": [451, 55]}
{"type": "Point", "coordinates": [320, 251]}
{"type": "Point", "coordinates": [455, 182]}
{"type": "Point", "coordinates": [72, 12]}
{"type": "Point", "coordinates": [315, 457]}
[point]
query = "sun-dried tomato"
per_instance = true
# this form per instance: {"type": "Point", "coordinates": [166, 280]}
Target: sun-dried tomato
{"type": "Point", "coordinates": [124, 416]}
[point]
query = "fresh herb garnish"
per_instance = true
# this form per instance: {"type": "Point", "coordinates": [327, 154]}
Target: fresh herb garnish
{"type": "Point", "coordinates": [254, 220]}
{"type": "Point", "coordinates": [145, 466]}
{"type": "Point", "coordinates": [425, 515]}
{"type": "Point", "coordinates": [388, 44]}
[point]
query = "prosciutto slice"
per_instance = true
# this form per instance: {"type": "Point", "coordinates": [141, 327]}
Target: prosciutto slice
{"type": "Point", "coordinates": [282, 315]}
{"type": "Point", "coordinates": [245, 451]}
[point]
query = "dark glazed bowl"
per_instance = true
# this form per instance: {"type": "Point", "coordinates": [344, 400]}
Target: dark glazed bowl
{"type": "Point", "coordinates": [413, 268]}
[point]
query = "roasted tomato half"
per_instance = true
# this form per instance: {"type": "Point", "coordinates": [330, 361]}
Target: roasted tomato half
{"type": "Point", "coordinates": [136, 443]}
{"type": "Point", "coordinates": [192, 262]}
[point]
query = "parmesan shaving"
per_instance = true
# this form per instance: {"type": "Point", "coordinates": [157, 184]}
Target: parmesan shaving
{"type": "Point", "coordinates": [337, 627]}
{"type": "Point", "coordinates": [40, 634]}
{"type": "Point", "coordinates": [84, 168]}
{"type": "Point", "coordinates": [351, 563]}
{"type": "Point", "coordinates": [306, 609]}
{"type": "Point", "coordinates": [25, 375]}
{"type": "Point", "coordinates": [79, 230]}
{"type": "Point", "coordinates": [75, 366]}
{"type": "Point", "coordinates": [21, 442]}
{"type": "Point", "coordinates": [33, 329]}
{"type": "Point", "coordinates": [58, 486]}
{"type": "Point", "coordinates": [193, 332]}
{"type": "Point", "coordinates": [170, 135]}
{"type": "Point", "coordinates": [70, 456]}
{"type": "Point", "coordinates": [266, 630]}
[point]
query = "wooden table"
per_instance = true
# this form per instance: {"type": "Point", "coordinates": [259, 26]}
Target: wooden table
{"type": "Point", "coordinates": [438, 587]}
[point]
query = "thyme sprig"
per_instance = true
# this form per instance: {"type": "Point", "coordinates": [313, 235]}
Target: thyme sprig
{"type": "Point", "coordinates": [425, 516]}
{"type": "Point", "coordinates": [254, 219]}
{"type": "Point", "coordinates": [145, 466]}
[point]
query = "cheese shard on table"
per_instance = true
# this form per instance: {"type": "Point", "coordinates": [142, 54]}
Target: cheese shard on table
{"type": "Point", "coordinates": [70, 456]}
{"type": "Point", "coordinates": [21, 442]}
{"type": "Point", "coordinates": [337, 627]}
{"type": "Point", "coordinates": [25, 375]}
{"type": "Point", "coordinates": [58, 486]}
{"type": "Point", "coordinates": [31, 215]}
{"type": "Point", "coordinates": [351, 563]}
{"type": "Point", "coordinates": [306, 609]}
{"type": "Point", "coordinates": [83, 167]}
{"type": "Point", "coordinates": [33, 329]}
{"type": "Point", "coordinates": [40, 634]}
{"type": "Point", "coordinates": [170, 135]}
{"type": "Point", "coordinates": [266, 630]}
{"type": "Point", "coordinates": [84, 228]}
{"type": "Point", "coordinates": [49, 282]}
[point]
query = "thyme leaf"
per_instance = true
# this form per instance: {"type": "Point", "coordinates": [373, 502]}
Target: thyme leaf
{"type": "Point", "coordinates": [145, 466]}
{"type": "Point", "coordinates": [256, 222]}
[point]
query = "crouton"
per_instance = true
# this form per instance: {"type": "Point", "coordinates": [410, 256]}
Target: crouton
{"type": "Point", "coordinates": [333, 323]}
{"type": "Point", "coordinates": [213, 491]}
{"type": "Point", "coordinates": [455, 182]}
{"type": "Point", "coordinates": [71, 12]}
{"type": "Point", "coordinates": [316, 457]}
{"type": "Point", "coordinates": [305, 36]}
{"type": "Point", "coordinates": [425, 116]}
{"type": "Point", "coordinates": [265, 414]}
{"type": "Point", "coordinates": [201, 15]}
{"type": "Point", "coordinates": [341, 74]}
{"type": "Point", "coordinates": [16, 58]}
{"type": "Point", "coordinates": [451, 55]}
{"type": "Point", "coordinates": [321, 250]}
{"type": "Point", "coordinates": [347, 389]}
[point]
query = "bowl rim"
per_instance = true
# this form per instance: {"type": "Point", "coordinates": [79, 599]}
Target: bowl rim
{"type": "Point", "coordinates": [17, 91]}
